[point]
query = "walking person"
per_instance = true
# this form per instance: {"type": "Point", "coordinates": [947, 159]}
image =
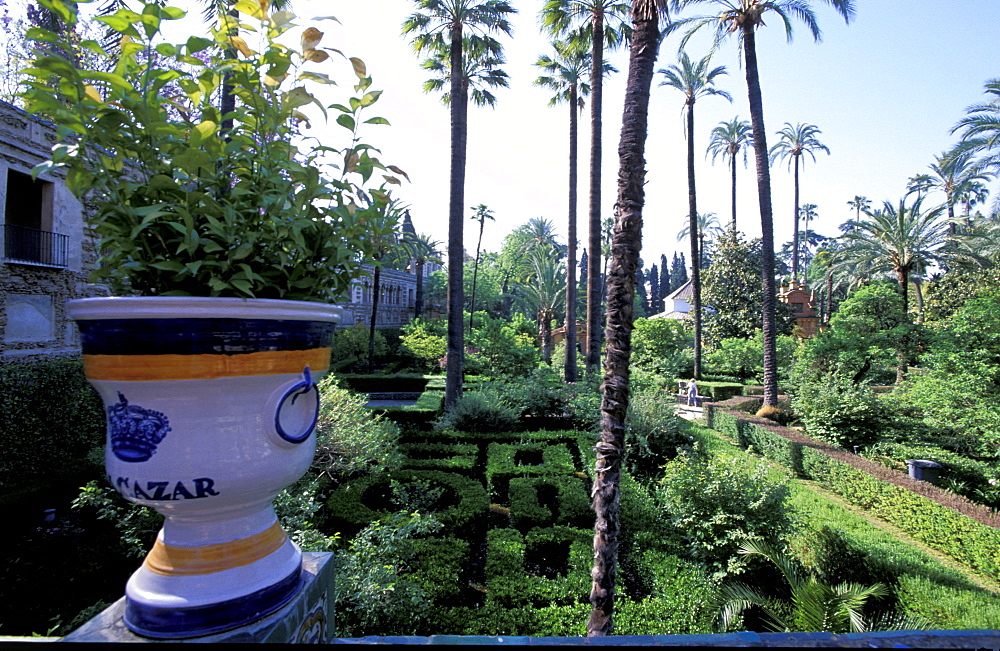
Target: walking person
{"type": "Point", "coordinates": [693, 393]}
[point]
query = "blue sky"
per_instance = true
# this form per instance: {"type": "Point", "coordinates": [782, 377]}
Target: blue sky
{"type": "Point", "coordinates": [885, 91]}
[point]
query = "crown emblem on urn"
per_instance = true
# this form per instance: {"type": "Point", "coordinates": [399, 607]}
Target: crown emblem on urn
{"type": "Point", "coordinates": [135, 432]}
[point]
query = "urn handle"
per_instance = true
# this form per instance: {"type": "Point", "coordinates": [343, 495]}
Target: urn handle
{"type": "Point", "coordinates": [293, 415]}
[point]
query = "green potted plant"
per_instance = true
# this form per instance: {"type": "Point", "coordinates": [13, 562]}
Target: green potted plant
{"type": "Point", "coordinates": [238, 234]}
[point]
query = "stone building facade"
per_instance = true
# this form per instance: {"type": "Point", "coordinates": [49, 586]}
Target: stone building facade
{"type": "Point", "coordinates": [397, 298]}
{"type": "Point", "coordinates": [45, 254]}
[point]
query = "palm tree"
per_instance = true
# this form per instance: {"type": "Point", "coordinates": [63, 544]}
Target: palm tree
{"type": "Point", "coordinates": [792, 143]}
{"type": "Point", "coordinates": [604, 22]}
{"type": "Point", "coordinates": [860, 204]}
{"type": "Point", "coordinates": [707, 226]}
{"type": "Point", "coordinates": [807, 213]}
{"type": "Point", "coordinates": [437, 26]}
{"type": "Point", "coordinates": [743, 18]}
{"type": "Point", "coordinates": [694, 81]}
{"type": "Point", "coordinates": [482, 213]}
{"type": "Point", "coordinates": [952, 173]}
{"type": "Point", "coordinates": [897, 239]}
{"type": "Point", "coordinates": [565, 74]}
{"type": "Point", "coordinates": [729, 139]}
{"type": "Point", "coordinates": [621, 300]}
{"type": "Point", "coordinates": [812, 604]}
{"type": "Point", "coordinates": [544, 292]}
{"type": "Point", "coordinates": [981, 131]}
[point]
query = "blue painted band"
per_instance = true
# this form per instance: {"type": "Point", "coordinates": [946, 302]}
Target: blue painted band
{"type": "Point", "coordinates": [175, 623]}
{"type": "Point", "coordinates": [201, 336]}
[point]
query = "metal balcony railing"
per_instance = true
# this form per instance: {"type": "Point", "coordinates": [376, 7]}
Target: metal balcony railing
{"type": "Point", "coordinates": [32, 246]}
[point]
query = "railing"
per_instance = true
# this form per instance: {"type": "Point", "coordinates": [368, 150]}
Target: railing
{"type": "Point", "coordinates": [32, 246]}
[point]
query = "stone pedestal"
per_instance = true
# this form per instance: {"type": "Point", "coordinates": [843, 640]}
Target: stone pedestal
{"type": "Point", "coordinates": [307, 618]}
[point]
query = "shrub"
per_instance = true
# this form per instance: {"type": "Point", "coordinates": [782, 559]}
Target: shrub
{"type": "Point", "coordinates": [436, 566]}
{"type": "Point", "coordinates": [541, 394]}
{"type": "Point", "coordinates": [481, 410]}
{"type": "Point", "coordinates": [682, 599]}
{"type": "Point", "coordinates": [526, 459]}
{"type": "Point", "coordinates": [50, 419]}
{"type": "Point", "coordinates": [838, 411]}
{"type": "Point", "coordinates": [658, 345]}
{"type": "Point", "coordinates": [501, 348]}
{"type": "Point", "coordinates": [583, 405]}
{"type": "Point", "coordinates": [440, 456]}
{"type": "Point", "coordinates": [372, 594]}
{"type": "Point", "coordinates": [424, 342]}
{"type": "Point", "coordinates": [716, 504]}
{"type": "Point", "coordinates": [652, 432]}
{"type": "Point", "coordinates": [512, 583]}
{"type": "Point", "coordinates": [350, 439]}
{"type": "Point", "coordinates": [353, 342]}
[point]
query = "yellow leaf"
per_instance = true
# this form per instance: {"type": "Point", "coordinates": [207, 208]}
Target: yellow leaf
{"type": "Point", "coordinates": [392, 179]}
{"type": "Point", "coordinates": [351, 163]}
{"type": "Point", "coordinates": [318, 56]}
{"type": "Point", "coordinates": [395, 169]}
{"type": "Point", "coordinates": [359, 67]}
{"type": "Point", "coordinates": [92, 93]}
{"type": "Point", "coordinates": [282, 19]}
{"type": "Point", "coordinates": [299, 116]}
{"type": "Point", "coordinates": [249, 8]}
{"type": "Point", "coordinates": [274, 81]}
{"type": "Point", "coordinates": [311, 38]}
{"type": "Point", "coordinates": [241, 45]}
{"type": "Point", "coordinates": [263, 6]}
{"type": "Point", "coordinates": [201, 132]}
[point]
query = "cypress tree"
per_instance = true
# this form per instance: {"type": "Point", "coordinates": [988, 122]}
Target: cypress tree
{"type": "Point", "coordinates": [654, 290]}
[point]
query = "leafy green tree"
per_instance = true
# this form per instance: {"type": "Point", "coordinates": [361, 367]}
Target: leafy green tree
{"type": "Point", "coordinates": [901, 240]}
{"type": "Point", "coordinates": [438, 26]}
{"type": "Point", "coordinates": [660, 346]}
{"type": "Point", "coordinates": [728, 139]}
{"type": "Point", "coordinates": [603, 22]}
{"type": "Point", "coordinates": [694, 80]}
{"type": "Point", "coordinates": [811, 605]}
{"type": "Point", "coordinates": [482, 213]}
{"type": "Point", "coordinates": [734, 292]}
{"type": "Point", "coordinates": [625, 247]}
{"type": "Point", "coordinates": [743, 18]}
{"type": "Point", "coordinates": [744, 358]}
{"type": "Point", "coordinates": [424, 341]}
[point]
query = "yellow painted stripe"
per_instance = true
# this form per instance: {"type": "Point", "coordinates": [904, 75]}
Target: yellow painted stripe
{"type": "Point", "coordinates": [139, 368]}
{"type": "Point", "coordinates": [175, 560]}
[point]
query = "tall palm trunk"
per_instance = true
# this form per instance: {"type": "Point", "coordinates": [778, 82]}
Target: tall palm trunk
{"type": "Point", "coordinates": [376, 288]}
{"type": "Point", "coordinates": [902, 360]}
{"type": "Point", "coordinates": [475, 275]}
{"type": "Point", "coordinates": [456, 299]}
{"type": "Point", "coordinates": [695, 237]}
{"type": "Point", "coordinates": [625, 247]}
{"type": "Point", "coordinates": [418, 300]}
{"type": "Point", "coordinates": [829, 298]}
{"type": "Point", "coordinates": [569, 370]}
{"type": "Point", "coordinates": [594, 285]}
{"type": "Point", "coordinates": [732, 161]}
{"type": "Point", "coordinates": [795, 234]}
{"type": "Point", "coordinates": [545, 334]}
{"type": "Point", "coordinates": [766, 217]}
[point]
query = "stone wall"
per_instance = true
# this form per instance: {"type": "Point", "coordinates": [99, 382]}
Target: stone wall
{"type": "Point", "coordinates": [33, 321]}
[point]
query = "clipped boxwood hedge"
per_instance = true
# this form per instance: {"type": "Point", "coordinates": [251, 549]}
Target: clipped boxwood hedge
{"type": "Point", "coordinates": [418, 416]}
{"type": "Point", "coordinates": [379, 383]}
{"type": "Point", "coordinates": [507, 579]}
{"type": "Point", "coordinates": [468, 497]}
{"type": "Point", "coordinates": [50, 419]}
{"type": "Point", "coordinates": [455, 457]}
{"type": "Point", "coordinates": [507, 460]}
{"type": "Point", "coordinates": [967, 532]}
{"type": "Point", "coordinates": [572, 502]}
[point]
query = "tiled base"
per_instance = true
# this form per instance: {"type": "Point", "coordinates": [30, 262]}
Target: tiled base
{"type": "Point", "coordinates": [307, 618]}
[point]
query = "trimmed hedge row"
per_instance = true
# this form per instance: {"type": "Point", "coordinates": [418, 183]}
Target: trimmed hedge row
{"type": "Point", "coordinates": [572, 506]}
{"type": "Point", "coordinates": [440, 456]}
{"type": "Point", "coordinates": [50, 419]}
{"type": "Point", "coordinates": [419, 416]}
{"type": "Point", "coordinates": [925, 512]}
{"type": "Point", "coordinates": [507, 577]}
{"type": "Point", "coordinates": [467, 497]}
{"type": "Point", "coordinates": [381, 383]}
